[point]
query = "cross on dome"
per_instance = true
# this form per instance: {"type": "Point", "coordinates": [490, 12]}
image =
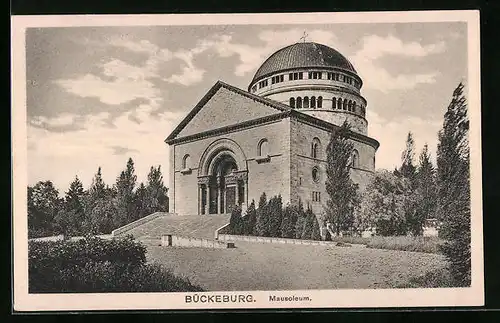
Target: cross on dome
{"type": "Point", "coordinates": [304, 36]}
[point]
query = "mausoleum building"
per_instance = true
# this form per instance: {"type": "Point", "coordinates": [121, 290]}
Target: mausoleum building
{"type": "Point", "coordinates": [235, 145]}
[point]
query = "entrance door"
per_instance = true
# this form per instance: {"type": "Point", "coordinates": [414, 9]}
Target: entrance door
{"type": "Point", "coordinates": [230, 198]}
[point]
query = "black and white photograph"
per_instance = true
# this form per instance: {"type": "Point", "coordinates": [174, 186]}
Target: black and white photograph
{"type": "Point", "coordinates": [247, 161]}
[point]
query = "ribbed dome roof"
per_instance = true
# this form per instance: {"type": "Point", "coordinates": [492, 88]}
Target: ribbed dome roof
{"type": "Point", "coordinates": [303, 55]}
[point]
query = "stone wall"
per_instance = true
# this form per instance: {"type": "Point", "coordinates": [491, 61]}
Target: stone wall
{"type": "Point", "coordinates": [302, 164]}
{"type": "Point", "coordinates": [179, 241]}
{"type": "Point", "coordinates": [229, 237]}
{"type": "Point", "coordinates": [272, 177]}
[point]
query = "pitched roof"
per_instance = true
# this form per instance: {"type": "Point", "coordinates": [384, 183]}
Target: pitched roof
{"type": "Point", "coordinates": [274, 104]}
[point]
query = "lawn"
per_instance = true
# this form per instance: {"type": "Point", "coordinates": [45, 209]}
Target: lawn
{"type": "Point", "coordinates": [265, 266]}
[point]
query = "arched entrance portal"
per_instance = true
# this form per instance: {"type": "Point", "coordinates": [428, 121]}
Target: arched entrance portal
{"type": "Point", "coordinates": [222, 180]}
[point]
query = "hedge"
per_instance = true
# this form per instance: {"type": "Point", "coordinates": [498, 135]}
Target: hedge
{"type": "Point", "coordinates": [97, 265]}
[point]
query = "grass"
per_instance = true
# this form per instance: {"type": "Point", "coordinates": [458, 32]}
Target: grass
{"type": "Point", "coordinates": [403, 243]}
{"type": "Point", "coordinates": [434, 279]}
{"type": "Point", "coordinates": [265, 266]}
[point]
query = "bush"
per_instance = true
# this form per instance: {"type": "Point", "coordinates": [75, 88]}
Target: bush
{"type": "Point", "coordinates": [433, 279]}
{"type": "Point", "coordinates": [406, 243]}
{"type": "Point", "coordinates": [97, 265]}
{"type": "Point", "coordinates": [66, 253]}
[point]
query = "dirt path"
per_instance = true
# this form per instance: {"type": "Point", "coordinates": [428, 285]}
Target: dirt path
{"type": "Point", "coordinates": [265, 266]}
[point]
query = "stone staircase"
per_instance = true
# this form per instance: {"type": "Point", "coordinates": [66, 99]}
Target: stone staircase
{"type": "Point", "coordinates": [196, 226]}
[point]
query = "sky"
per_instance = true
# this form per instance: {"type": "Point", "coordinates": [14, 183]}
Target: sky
{"type": "Point", "coordinates": [99, 95]}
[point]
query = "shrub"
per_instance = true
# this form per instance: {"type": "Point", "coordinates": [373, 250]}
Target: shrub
{"type": "Point", "coordinates": [433, 279]}
{"type": "Point", "coordinates": [97, 265]}
{"type": "Point", "coordinates": [406, 243]}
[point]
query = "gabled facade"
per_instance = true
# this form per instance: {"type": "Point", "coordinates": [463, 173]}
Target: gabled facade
{"type": "Point", "coordinates": [234, 145]}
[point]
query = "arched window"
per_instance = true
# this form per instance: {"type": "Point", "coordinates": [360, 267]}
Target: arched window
{"type": "Point", "coordinates": [344, 107]}
{"type": "Point", "coordinates": [292, 102]}
{"type": "Point", "coordinates": [350, 105]}
{"type": "Point", "coordinates": [353, 106]}
{"type": "Point", "coordinates": [339, 103]}
{"type": "Point", "coordinates": [315, 174]}
{"type": "Point", "coordinates": [355, 159]}
{"type": "Point", "coordinates": [263, 148]}
{"type": "Point", "coordinates": [299, 102]}
{"type": "Point", "coordinates": [320, 102]}
{"type": "Point", "coordinates": [313, 102]}
{"type": "Point", "coordinates": [334, 103]}
{"type": "Point", "coordinates": [186, 161]}
{"type": "Point", "coordinates": [306, 102]}
{"type": "Point", "coordinates": [315, 148]}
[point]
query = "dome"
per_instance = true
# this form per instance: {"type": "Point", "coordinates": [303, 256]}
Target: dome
{"type": "Point", "coordinates": [305, 54]}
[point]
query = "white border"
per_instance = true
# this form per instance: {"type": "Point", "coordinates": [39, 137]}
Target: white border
{"type": "Point", "coordinates": [473, 296]}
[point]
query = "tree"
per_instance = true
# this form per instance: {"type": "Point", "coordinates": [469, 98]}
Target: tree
{"type": "Point", "coordinates": [453, 205]}
{"type": "Point", "coordinates": [250, 219]}
{"type": "Point", "coordinates": [43, 205]}
{"type": "Point", "coordinates": [275, 211]}
{"type": "Point", "coordinates": [262, 225]}
{"type": "Point", "coordinates": [408, 169]}
{"type": "Point", "coordinates": [342, 192]}
{"type": "Point", "coordinates": [301, 220]}
{"type": "Point", "coordinates": [236, 221]}
{"type": "Point", "coordinates": [425, 193]}
{"type": "Point", "coordinates": [315, 234]}
{"type": "Point", "coordinates": [384, 203]}
{"type": "Point", "coordinates": [290, 215]}
{"type": "Point", "coordinates": [93, 203]}
{"type": "Point", "coordinates": [125, 184]}
{"type": "Point", "coordinates": [142, 206]}
{"type": "Point", "coordinates": [157, 199]}
{"type": "Point", "coordinates": [71, 220]}
{"type": "Point", "coordinates": [310, 218]}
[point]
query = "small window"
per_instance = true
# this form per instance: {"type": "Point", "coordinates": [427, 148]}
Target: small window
{"type": "Point", "coordinates": [263, 148]}
{"type": "Point", "coordinates": [292, 102]}
{"type": "Point", "coordinates": [339, 103]}
{"type": "Point", "coordinates": [186, 161]}
{"type": "Point", "coordinates": [334, 103]}
{"type": "Point", "coordinates": [313, 102]}
{"type": "Point", "coordinates": [355, 159]}
{"type": "Point", "coordinates": [299, 102]}
{"type": "Point", "coordinates": [315, 148]}
{"type": "Point", "coordinates": [315, 174]}
{"type": "Point", "coordinates": [354, 106]}
{"type": "Point", "coordinates": [344, 106]}
{"type": "Point", "coordinates": [306, 102]}
{"type": "Point", "coordinates": [301, 75]}
{"type": "Point", "coordinates": [320, 102]}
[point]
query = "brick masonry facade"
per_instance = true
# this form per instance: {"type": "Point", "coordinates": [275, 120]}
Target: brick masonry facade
{"type": "Point", "coordinates": [287, 171]}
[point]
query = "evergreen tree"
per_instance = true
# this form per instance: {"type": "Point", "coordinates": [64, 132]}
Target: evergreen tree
{"type": "Point", "coordinates": [96, 194]}
{"type": "Point", "coordinates": [288, 222]}
{"type": "Point", "coordinates": [408, 168]}
{"type": "Point", "coordinates": [275, 210]}
{"type": "Point", "coordinates": [250, 219]}
{"type": "Point", "coordinates": [301, 220]}
{"type": "Point", "coordinates": [454, 187]}
{"type": "Point", "coordinates": [97, 189]}
{"type": "Point", "coordinates": [43, 205]}
{"type": "Point", "coordinates": [262, 225]}
{"type": "Point", "coordinates": [343, 193]}
{"type": "Point", "coordinates": [71, 219]}
{"type": "Point", "coordinates": [425, 193]}
{"type": "Point", "coordinates": [315, 234]}
{"type": "Point", "coordinates": [307, 230]}
{"type": "Point", "coordinates": [125, 184]}
{"type": "Point", "coordinates": [236, 221]}
{"type": "Point", "coordinates": [142, 206]}
{"type": "Point", "coordinates": [157, 199]}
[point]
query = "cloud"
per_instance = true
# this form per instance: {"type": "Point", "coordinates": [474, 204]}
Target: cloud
{"type": "Point", "coordinates": [377, 77]}
{"type": "Point", "coordinates": [392, 137]}
{"type": "Point", "coordinates": [65, 119]}
{"type": "Point", "coordinates": [119, 91]}
{"type": "Point", "coordinates": [61, 156]}
{"type": "Point", "coordinates": [119, 150]}
{"type": "Point", "coordinates": [251, 57]}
